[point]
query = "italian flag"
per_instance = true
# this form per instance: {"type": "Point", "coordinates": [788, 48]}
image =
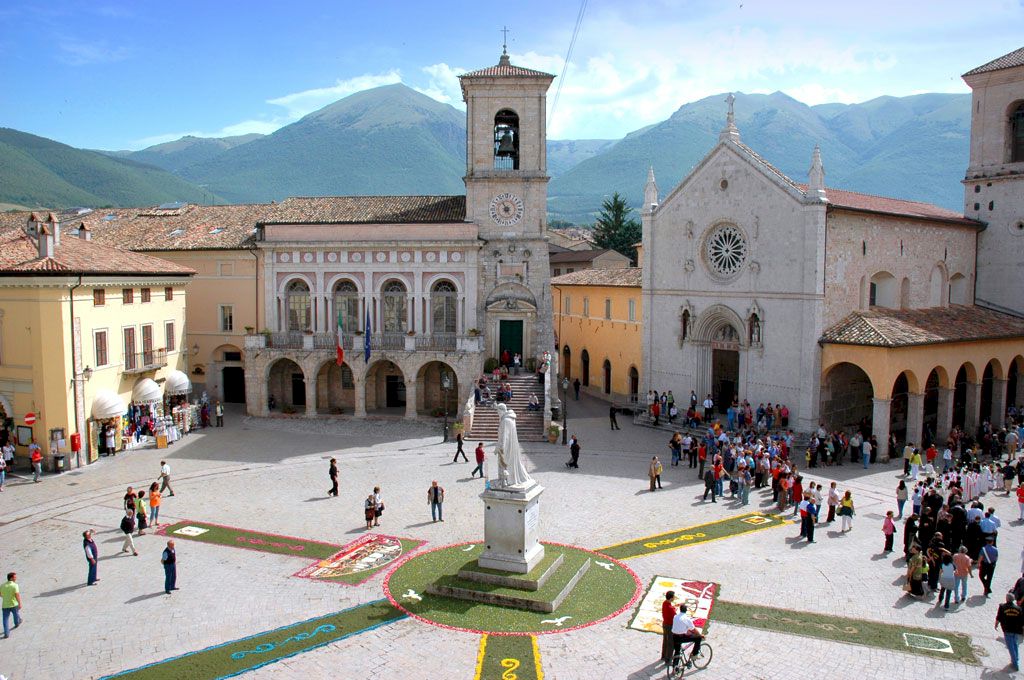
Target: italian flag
{"type": "Point", "coordinates": [340, 347]}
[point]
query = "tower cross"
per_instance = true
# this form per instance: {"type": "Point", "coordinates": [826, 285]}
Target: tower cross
{"type": "Point", "coordinates": [504, 39]}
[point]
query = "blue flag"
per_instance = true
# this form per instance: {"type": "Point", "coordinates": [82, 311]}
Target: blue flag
{"type": "Point", "coordinates": [366, 338]}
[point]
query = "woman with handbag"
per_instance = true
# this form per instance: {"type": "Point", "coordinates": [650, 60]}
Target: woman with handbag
{"type": "Point", "coordinates": [370, 510]}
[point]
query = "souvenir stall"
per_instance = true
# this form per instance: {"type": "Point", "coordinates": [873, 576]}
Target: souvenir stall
{"type": "Point", "coordinates": [145, 415]}
{"type": "Point", "coordinates": [181, 414]}
{"type": "Point", "coordinates": [108, 411]}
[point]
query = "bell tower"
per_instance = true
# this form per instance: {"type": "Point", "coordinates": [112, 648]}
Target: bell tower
{"type": "Point", "coordinates": [994, 182]}
{"type": "Point", "coordinates": [506, 197]}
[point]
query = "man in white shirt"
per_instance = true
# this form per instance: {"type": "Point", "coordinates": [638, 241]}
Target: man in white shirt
{"type": "Point", "coordinates": [684, 630]}
{"type": "Point", "coordinates": [709, 409]}
{"type": "Point", "coordinates": [865, 452]}
{"type": "Point", "coordinates": [947, 460]}
{"type": "Point", "coordinates": [165, 477]}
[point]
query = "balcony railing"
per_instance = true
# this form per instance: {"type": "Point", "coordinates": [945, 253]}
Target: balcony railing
{"type": "Point", "coordinates": [442, 342]}
{"type": "Point", "coordinates": [146, 360]}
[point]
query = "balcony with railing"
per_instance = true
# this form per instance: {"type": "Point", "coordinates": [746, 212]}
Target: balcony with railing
{"type": "Point", "coordinates": [441, 342]}
{"type": "Point", "coordinates": [146, 360]}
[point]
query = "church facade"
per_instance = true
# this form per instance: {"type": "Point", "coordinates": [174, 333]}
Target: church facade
{"type": "Point", "coordinates": [848, 309]}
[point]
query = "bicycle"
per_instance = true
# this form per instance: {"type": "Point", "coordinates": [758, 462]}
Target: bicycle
{"type": "Point", "coordinates": [685, 659]}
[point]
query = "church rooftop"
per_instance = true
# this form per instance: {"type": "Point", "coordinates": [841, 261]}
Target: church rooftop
{"type": "Point", "coordinates": [879, 327]}
{"type": "Point", "coordinates": [368, 210]}
{"type": "Point", "coordinates": [1015, 58]}
{"type": "Point", "coordinates": [628, 277]}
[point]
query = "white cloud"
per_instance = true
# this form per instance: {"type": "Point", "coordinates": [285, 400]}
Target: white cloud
{"type": "Point", "coordinates": [442, 84]}
{"type": "Point", "coordinates": [815, 93]}
{"type": "Point", "coordinates": [299, 104]}
{"type": "Point", "coordinates": [75, 52]}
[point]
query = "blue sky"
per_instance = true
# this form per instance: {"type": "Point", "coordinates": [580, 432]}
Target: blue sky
{"type": "Point", "coordinates": [119, 75]}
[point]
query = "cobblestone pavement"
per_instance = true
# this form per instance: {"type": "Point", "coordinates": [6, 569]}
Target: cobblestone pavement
{"type": "Point", "coordinates": [271, 476]}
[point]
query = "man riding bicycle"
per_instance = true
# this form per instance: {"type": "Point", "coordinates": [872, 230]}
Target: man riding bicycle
{"type": "Point", "coordinates": [684, 630]}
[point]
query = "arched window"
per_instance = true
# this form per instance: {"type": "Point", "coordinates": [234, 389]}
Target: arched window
{"type": "Point", "coordinates": [754, 325]}
{"type": "Point", "coordinates": [882, 291]}
{"type": "Point", "coordinates": [684, 325]}
{"type": "Point", "coordinates": [506, 140]}
{"type": "Point", "coordinates": [607, 376]}
{"type": "Point", "coordinates": [958, 289]}
{"type": "Point", "coordinates": [444, 300]}
{"type": "Point", "coordinates": [395, 307]}
{"type": "Point", "coordinates": [585, 368]}
{"type": "Point", "coordinates": [297, 304]}
{"type": "Point", "coordinates": [1017, 134]}
{"type": "Point", "coordinates": [905, 293]}
{"type": "Point", "coordinates": [346, 305]}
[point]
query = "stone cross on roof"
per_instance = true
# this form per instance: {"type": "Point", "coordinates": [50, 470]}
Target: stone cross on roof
{"type": "Point", "coordinates": [730, 131]}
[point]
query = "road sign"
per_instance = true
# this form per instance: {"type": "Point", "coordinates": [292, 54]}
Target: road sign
{"type": "Point", "coordinates": [30, 418]}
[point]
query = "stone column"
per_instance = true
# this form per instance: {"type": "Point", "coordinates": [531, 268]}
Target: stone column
{"type": "Point", "coordinates": [972, 407]}
{"type": "Point", "coordinates": [998, 403]}
{"type": "Point", "coordinates": [310, 395]}
{"type": "Point", "coordinates": [410, 399]}
{"type": "Point", "coordinates": [915, 418]}
{"type": "Point", "coordinates": [880, 425]}
{"type": "Point", "coordinates": [359, 389]}
{"type": "Point", "coordinates": [1019, 397]}
{"type": "Point", "coordinates": [944, 415]}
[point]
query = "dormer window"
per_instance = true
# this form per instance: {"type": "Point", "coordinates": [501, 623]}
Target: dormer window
{"type": "Point", "coordinates": [1017, 134]}
{"type": "Point", "coordinates": [506, 140]}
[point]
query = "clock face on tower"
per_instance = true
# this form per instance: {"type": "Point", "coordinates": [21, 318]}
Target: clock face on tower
{"type": "Point", "coordinates": [506, 209]}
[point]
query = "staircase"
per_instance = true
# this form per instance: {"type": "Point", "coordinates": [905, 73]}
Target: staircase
{"type": "Point", "coordinates": [530, 424]}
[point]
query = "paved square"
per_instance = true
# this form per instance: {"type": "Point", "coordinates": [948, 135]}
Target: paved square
{"type": "Point", "coordinates": [270, 477]}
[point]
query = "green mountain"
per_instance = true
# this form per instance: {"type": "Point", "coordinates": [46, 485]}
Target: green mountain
{"type": "Point", "coordinates": [181, 153]}
{"type": "Point", "coordinates": [907, 147]}
{"type": "Point", "coordinates": [39, 172]}
{"type": "Point", "coordinates": [565, 154]}
{"type": "Point", "coordinates": [388, 140]}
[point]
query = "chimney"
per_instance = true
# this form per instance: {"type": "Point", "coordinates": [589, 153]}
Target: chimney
{"type": "Point", "coordinates": [32, 226]}
{"type": "Point", "coordinates": [45, 240]}
{"type": "Point", "coordinates": [84, 232]}
{"type": "Point", "coordinates": [54, 223]}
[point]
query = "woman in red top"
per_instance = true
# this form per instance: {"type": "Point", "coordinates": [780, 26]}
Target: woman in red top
{"type": "Point", "coordinates": [797, 494]}
{"type": "Point", "coordinates": [668, 612]}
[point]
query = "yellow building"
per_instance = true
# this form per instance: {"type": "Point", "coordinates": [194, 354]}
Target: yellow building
{"type": "Point", "coordinates": [597, 325]}
{"type": "Point", "coordinates": [82, 325]}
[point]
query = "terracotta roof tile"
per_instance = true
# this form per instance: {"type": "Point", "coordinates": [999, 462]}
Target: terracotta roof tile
{"type": "Point", "coordinates": [908, 327]}
{"type": "Point", "coordinates": [884, 205]}
{"type": "Point", "coordinates": [1015, 58]}
{"type": "Point", "coordinates": [505, 69]}
{"type": "Point", "coordinates": [625, 277]}
{"type": "Point", "coordinates": [19, 255]}
{"type": "Point", "coordinates": [368, 210]}
{"type": "Point", "coordinates": [578, 255]}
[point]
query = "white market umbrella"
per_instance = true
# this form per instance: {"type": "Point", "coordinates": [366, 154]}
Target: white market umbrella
{"type": "Point", "coordinates": [177, 383]}
{"type": "Point", "coordinates": [107, 404]}
{"type": "Point", "coordinates": [146, 391]}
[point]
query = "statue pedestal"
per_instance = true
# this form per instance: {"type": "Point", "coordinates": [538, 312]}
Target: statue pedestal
{"type": "Point", "coordinates": [511, 529]}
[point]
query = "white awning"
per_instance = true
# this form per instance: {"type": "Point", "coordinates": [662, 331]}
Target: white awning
{"type": "Point", "coordinates": [107, 404]}
{"type": "Point", "coordinates": [177, 383]}
{"type": "Point", "coordinates": [146, 391]}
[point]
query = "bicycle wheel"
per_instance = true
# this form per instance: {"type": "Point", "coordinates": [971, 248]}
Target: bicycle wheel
{"type": "Point", "coordinates": [702, 659]}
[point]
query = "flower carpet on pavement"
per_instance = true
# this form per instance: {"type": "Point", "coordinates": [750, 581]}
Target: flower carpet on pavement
{"type": "Point", "coordinates": [249, 653]}
{"type": "Point", "coordinates": [351, 563]}
{"type": "Point", "coordinates": [606, 589]}
{"type": "Point", "coordinates": [947, 645]}
{"type": "Point", "coordinates": [701, 533]}
{"type": "Point", "coordinates": [508, 656]}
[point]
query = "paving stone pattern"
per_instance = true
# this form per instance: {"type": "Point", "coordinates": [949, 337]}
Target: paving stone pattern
{"type": "Point", "coordinates": [271, 476]}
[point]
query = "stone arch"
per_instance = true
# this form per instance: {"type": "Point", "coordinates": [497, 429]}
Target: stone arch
{"type": "Point", "coordinates": [225, 377]}
{"type": "Point", "coordinates": [385, 386]}
{"type": "Point", "coordinates": [511, 293]}
{"type": "Point", "coordinates": [712, 320]}
{"type": "Point", "coordinates": [966, 376]}
{"type": "Point", "coordinates": [444, 305]}
{"type": "Point", "coordinates": [905, 293]}
{"type": "Point", "coordinates": [882, 290]}
{"type": "Point", "coordinates": [634, 381]}
{"type": "Point", "coordinates": [506, 139]}
{"type": "Point", "coordinates": [585, 367]}
{"type": "Point", "coordinates": [335, 388]}
{"type": "Point", "coordinates": [847, 395]}
{"type": "Point", "coordinates": [356, 281]}
{"type": "Point", "coordinates": [606, 376]}
{"type": "Point", "coordinates": [903, 386]}
{"type": "Point", "coordinates": [992, 380]}
{"type": "Point", "coordinates": [298, 304]}
{"type": "Point", "coordinates": [566, 362]}
{"type": "Point", "coordinates": [394, 301]}
{"type": "Point", "coordinates": [346, 293]}
{"type": "Point", "coordinates": [1015, 383]}
{"type": "Point", "coordinates": [430, 395]}
{"type": "Point", "coordinates": [936, 380]}
{"type": "Point", "coordinates": [1015, 131]}
{"type": "Point", "coordinates": [286, 384]}
{"type": "Point", "coordinates": [6, 411]}
{"type": "Point", "coordinates": [958, 289]}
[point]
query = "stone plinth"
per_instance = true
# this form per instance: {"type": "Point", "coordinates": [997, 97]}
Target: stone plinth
{"type": "Point", "coordinates": [512, 529]}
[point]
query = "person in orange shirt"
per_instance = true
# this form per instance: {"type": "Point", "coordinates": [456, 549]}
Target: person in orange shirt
{"type": "Point", "coordinates": [154, 503]}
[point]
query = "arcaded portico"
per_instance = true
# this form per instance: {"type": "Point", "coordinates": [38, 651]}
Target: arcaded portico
{"type": "Point", "coordinates": [921, 372]}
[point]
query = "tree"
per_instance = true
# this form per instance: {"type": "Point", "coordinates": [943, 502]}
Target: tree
{"type": "Point", "coordinates": [615, 229]}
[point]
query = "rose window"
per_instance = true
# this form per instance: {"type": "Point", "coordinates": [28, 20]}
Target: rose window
{"type": "Point", "coordinates": [726, 250]}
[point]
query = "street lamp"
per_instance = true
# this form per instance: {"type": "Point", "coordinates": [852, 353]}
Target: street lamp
{"type": "Point", "coordinates": [446, 384]}
{"type": "Point", "coordinates": [565, 408]}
